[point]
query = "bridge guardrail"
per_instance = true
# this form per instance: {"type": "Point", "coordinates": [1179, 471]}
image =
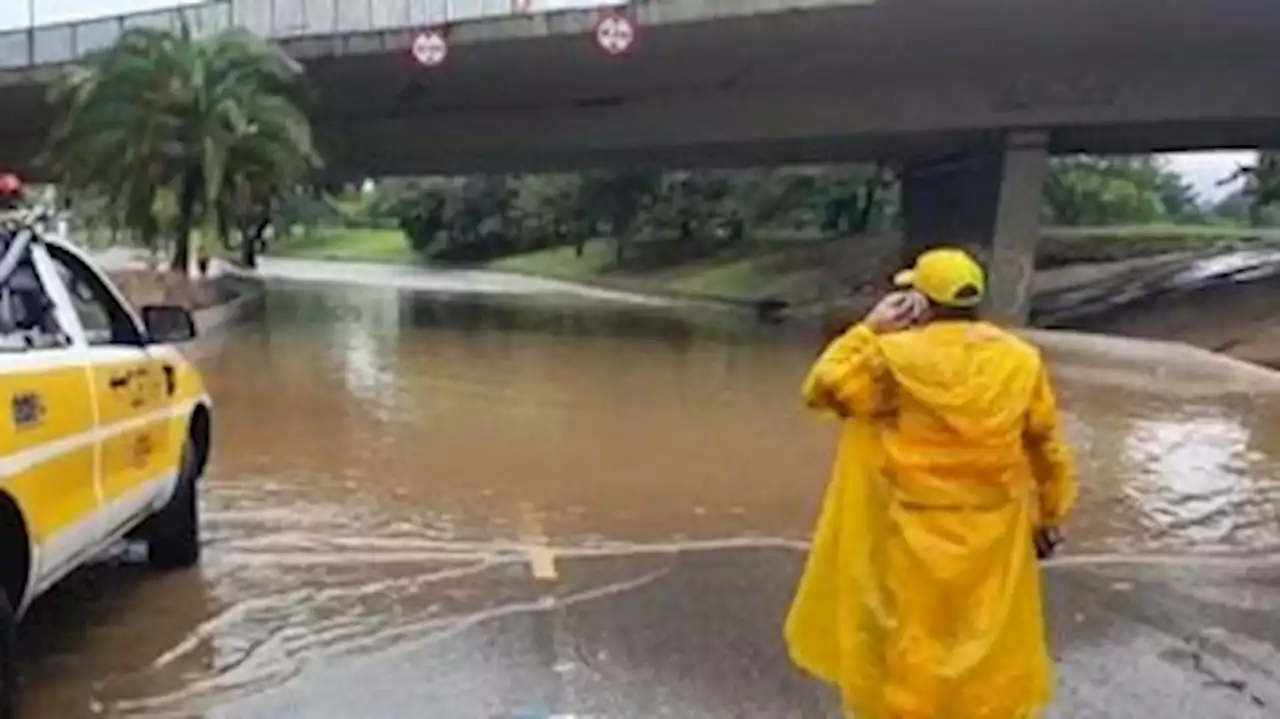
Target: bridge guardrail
{"type": "Point", "coordinates": [277, 19]}
{"type": "Point", "coordinates": [67, 42]}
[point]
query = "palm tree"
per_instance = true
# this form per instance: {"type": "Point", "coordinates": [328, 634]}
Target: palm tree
{"type": "Point", "coordinates": [1261, 184]}
{"type": "Point", "coordinates": [206, 118]}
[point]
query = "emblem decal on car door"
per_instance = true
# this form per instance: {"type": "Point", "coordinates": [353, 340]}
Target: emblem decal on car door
{"type": "Point", "coordinates": [28, 410]}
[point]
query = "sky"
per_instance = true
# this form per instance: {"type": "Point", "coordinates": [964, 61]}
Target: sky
{"type": "Point", "coordinates": [1202, 169]}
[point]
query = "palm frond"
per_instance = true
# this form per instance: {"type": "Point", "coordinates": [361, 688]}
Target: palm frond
{"type": "Point", "coordinates": [159, 105]}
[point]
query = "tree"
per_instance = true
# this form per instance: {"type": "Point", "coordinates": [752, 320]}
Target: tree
{"type": "Point", "coordinates": [546, 210]}
{"type": "Point", "coordinates": [688, 205]}
{"type": "Point", "coordinates": [421, 213]}
{"type": "Point", "coordinates": [216, 120]}
{"type": "Point", "coordinates": [1236, 207]}
{"type": "Point", "coordinates": [479, 214]}
{"type": "Point", "coordinates": [1178, 197]}
{"type": "Point", "coordinates": [618, 199]}
{"type": "Point", "coordinates": [845, 199]}
{"type": "Point", "coordinates": [1261, 185]}
{"type": "Point", "coordinates": [1088, 190]}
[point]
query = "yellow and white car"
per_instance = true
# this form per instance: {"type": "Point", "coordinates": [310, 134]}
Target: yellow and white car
{"type": "Point", "coordinates": [105, 428]}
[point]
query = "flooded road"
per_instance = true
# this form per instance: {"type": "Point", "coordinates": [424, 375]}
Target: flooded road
{"type": "Point", "coordinates": [464, 477]}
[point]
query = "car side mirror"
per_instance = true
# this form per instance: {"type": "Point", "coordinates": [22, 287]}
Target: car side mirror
{"type": "Point", "coordinates": [168, 324]}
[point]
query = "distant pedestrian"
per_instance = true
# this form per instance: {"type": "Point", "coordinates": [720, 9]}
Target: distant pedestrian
{"type": "Point", "coordinates": [921, 598]}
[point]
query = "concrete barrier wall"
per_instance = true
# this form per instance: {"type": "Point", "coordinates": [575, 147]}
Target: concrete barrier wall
{"type": "Point", "coordinates": [212, 322]}
{"type": "Point", "coordinates": [1173, 367]}
{"type": "Point", "coordinates": [277, 19]}
{"type": "Point", "coordinates": [63, 43]}
{"type": "Point", "coordinates": [249, 301]}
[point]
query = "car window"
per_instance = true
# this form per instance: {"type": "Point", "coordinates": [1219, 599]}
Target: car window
{"type": "Point", "coordinates": [105, 320]}
{"type": "Point", "coordinates": [27, 318]}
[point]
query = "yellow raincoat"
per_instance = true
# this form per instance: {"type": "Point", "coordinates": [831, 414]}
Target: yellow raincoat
{"type": "Point", "coordinates": [921, 595]}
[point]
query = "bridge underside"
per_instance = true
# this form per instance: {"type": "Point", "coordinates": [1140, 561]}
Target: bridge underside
{"type": "Point", "coordinates": [893, 80]}
{"type": "Point", "coordinates": [897, 80]}
{"type": "Point", "coordinates": [920, 82]}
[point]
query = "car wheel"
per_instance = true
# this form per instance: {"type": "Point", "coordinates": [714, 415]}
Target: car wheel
{"type": "Point", "coordinates": [8, 664]}
{"type": "Point", "coordinates": [173, 533]}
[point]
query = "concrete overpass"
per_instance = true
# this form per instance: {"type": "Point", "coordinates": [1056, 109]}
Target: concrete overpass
{"type": "Point", "coordinates": [969, 95]}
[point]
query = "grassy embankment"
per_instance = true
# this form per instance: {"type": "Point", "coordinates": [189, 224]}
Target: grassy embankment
{"type": "Point", "coordinates": [348, 245]}
{"type": "Point", "coordinates": [775, 266]}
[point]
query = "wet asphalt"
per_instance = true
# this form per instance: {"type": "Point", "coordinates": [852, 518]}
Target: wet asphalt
{"type": "Point", "coordinates": [697, 634]}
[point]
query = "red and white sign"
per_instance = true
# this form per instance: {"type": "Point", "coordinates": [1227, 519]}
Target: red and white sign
{"type": "Point", "coordinates": [430, 48]}
{"type": "Point", "coordinates": [522, 7]}
{"type": "Point", "coordinates": [616, 34]}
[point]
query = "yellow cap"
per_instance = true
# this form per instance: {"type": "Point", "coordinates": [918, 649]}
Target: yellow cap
{"type": "Point", "coordinates": [948, 276]}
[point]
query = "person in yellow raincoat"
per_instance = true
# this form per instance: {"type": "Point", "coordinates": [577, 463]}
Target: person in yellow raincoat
{"type": "Point", "coordinates": [921, 596]}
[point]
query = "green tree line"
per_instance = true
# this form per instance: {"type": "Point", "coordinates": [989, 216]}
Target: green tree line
{"type": "Point", "coordinates": [664, 217]}
{"type": "Point", "coordinates": [648, 214]}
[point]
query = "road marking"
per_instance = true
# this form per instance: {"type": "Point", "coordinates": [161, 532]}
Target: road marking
{"type": "Point", "coordinates": [542, 560]}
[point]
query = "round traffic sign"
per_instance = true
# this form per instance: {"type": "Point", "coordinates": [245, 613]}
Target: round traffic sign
{"type": "Point", "coordinates": [430, 48]}
{"type": "Point", "coordinates": [615, 33]}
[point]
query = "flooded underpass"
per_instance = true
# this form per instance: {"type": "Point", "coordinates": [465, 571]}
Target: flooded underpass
{"type": "Point", "coordinates": [430, 505]}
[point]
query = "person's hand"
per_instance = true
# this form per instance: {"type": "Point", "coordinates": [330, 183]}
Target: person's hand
{"type": "Point", "coordinates": [1047, 540]}
{"type": "Point", "coordinates": [896, 311]}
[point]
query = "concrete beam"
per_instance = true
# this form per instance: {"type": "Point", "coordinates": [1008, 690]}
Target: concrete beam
{"type": "Point", "coordinates": [1148, 111]}
{"type": "Point", "coordinates": [533, 93]}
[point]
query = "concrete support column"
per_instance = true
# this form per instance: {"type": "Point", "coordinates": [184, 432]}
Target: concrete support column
{"type": "Point", "coordinates": [950, 201]}
{"type": "Point", "coordinates": [1012, 264]}
{"type": "Point", "coordinates": [988, 201]}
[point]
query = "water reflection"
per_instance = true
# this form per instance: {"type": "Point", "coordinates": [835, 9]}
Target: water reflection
{"type": "Point", "coordinates": [387, 464]}
{"type": "Point", "coordinates": [1192, 479]}
{"type": "Point", "coordinates": [608, 323]}
{"type": "Point", "coordinates": [1167, 474]}
{"type": "Point", "coordinates": [358, 344]}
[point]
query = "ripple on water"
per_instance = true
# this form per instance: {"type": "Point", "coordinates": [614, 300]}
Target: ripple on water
{"type": "Point", "coordinates": [1175, 474]}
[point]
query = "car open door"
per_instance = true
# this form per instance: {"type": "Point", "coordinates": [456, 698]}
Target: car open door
{"type": "Point", "coordinates": [49, 460]}
{"type": "Point", "coordinates": [132, 385]}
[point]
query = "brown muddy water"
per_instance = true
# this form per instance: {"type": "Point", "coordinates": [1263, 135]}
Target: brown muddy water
{"type": "Point", "coordinates": [388, 463]}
